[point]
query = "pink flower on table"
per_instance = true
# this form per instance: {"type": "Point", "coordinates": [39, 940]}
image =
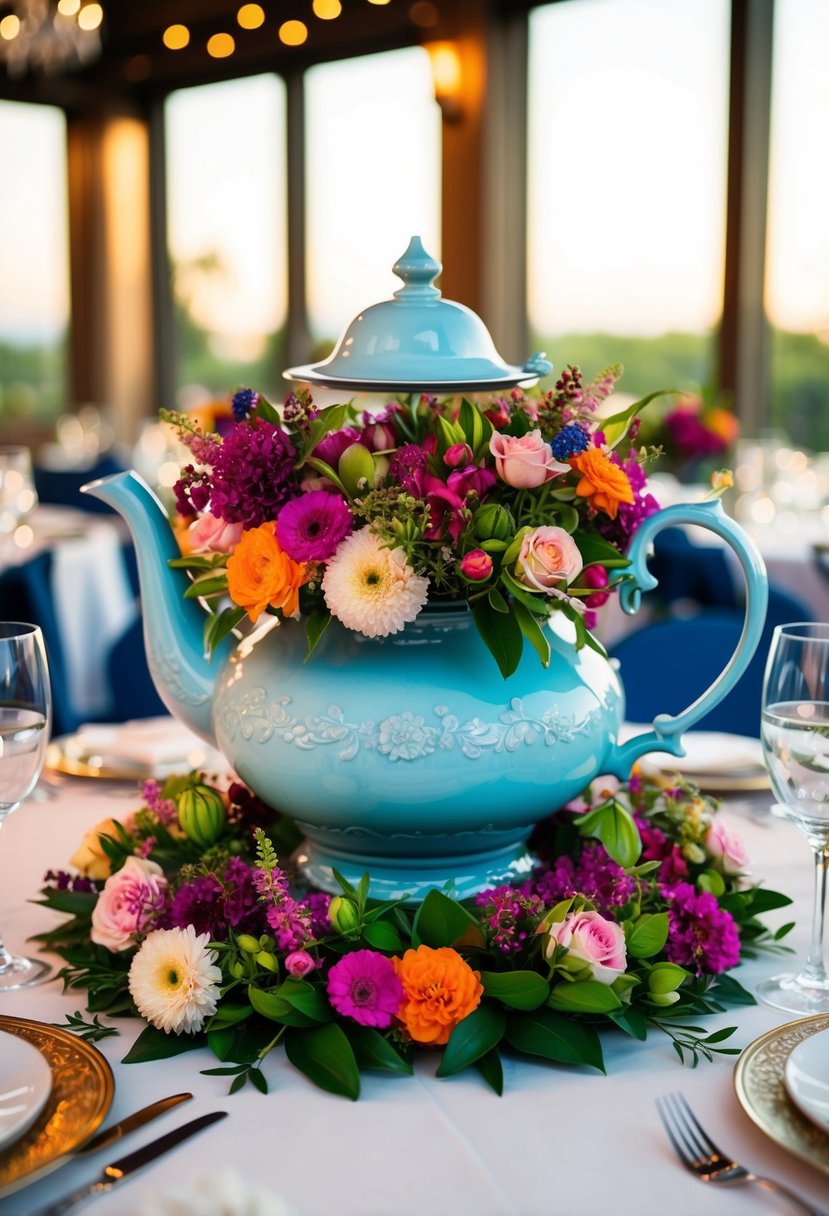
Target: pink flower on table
{"type": "Point", "coordinates": [594, 940]}
{"type": "Point", "coordinates": [548, 557]}
{"type": "Point", "coordinates": [309, 528]}
{"type": "Point", "coordinates": [364, 986]}
{"type": "Point", "coordinates": [525, 461]}
{"type": "Point", "coordinates": [210, 534]}
{"type": "Point", "coordinates": [727, 850]}
{"type": "Point", "coordinates": [299, 963]}
{"type": "Point", "coordinates": [129, 902]}
{"type": "Point", "coordinates": [476, 565]}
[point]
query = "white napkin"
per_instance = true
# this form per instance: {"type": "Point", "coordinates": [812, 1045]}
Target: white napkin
{"type": "Point", "coordinates": [707, 752]}
{"type": "Point", "coordinates": [152, 743]}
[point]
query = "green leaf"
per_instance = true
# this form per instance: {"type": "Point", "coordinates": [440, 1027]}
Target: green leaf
{"type": "Point", "coordinates": [373, 1050]}
{"type": "Point", "coordinates": [584, 996]}
{"type": "Point", "coordinates": [491, 1069]}
{"type": "Point", "coordinates": [666, 977]}
{"type": "Point", "coordinates": [471, 422]}
{"type": "Point", "coordinates": [533, 600]}
{"type": "Point", "coordinates": [613, 825]}
{"type": "Point", "coordinates": [153, 1044]}
{"type": "Point", "coordinates": [381, 935]}
{"type": "Point", "coordinates": [567, 517]}
{"type": "Point", "coordinates": [327, 420]}
{"type": "Point", "coordinates": [326, 1057]}
{"type": "Point", "coordinates": [554, 1037]}
{"type": "Point", "coordinates": [219, 625]}
{"type": "Point", "coordinates": [193, 561]}
{"type": "Point", "coordinates": [207, 585]}
{"type": "Point", "coordinates": [477, 1034]}
{"type": "Point", "coordinates": [229, 1015]}
{"type": "Point", "coordinates": [441, 921]}
{"type": "Point", "coordinates": [307, 998]}
{"type": "Point", "coordinates": [325, 470]}
{"type": "Point", "coordinates": [631, 1020]}
{"type": "Point", "coordinates": [617, 425]}
{"type": "Point", "coordinates": [648, 935]}
{"type": "Point", "coordinates": [517, 989]}
{"type": "Point", "coordinates": [501, 635]}
{"type": "Point", "coordinates": [497, 601]}
{"type": "Point", "coordinates": [277, 1008]}
{"type": "Point", "coordinates": [241, 1043]}
{"type": "Point", "coordinates": [315, 627]}
{"type": "Point", "coordinates": [732, 992]}
{"type": "Point", "coordinates": [257, 1079]}
{"type": "Point", "coordinates": [711, 881]}
{"type": "Point", "coordinates": [595, 550]}
{"type": "Point", "coordinates": [532, 631]}
{"type": "Point", "coordinates": [77, 903]}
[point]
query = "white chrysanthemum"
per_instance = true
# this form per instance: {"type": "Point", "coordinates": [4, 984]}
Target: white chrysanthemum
{"type": "Point", "coordinates": [174, 980]}
{"type": "Point", "coordinates": [222, 1194]}
{"type": "Point", "coordinates": [371, 589]}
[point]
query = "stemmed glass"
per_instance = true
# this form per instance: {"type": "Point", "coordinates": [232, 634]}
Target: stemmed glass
{"type": "Point", "coordinates": [795, 736]}
{"type": "Point", "coordinates": [25, 718]}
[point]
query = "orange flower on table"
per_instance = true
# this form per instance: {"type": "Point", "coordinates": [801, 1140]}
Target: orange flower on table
{"type": "Point", "coordinates": [603, 483]}
{"type": "Point", "coordinates": [261, 575]}
{"type": "Point", "coordinates": [440, 988]}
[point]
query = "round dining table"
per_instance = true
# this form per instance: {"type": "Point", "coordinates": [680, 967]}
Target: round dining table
{"type": "Point", "coordinates": [561, 1141]}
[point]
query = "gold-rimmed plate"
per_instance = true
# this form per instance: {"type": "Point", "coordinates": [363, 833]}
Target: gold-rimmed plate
{"type": "Point", "coordinates": [760, 1089]}
{"type": "Point", "coordinates": [82, 1091]}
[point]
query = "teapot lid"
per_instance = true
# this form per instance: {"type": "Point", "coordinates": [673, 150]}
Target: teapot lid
{"type": "Point", "coordinates": [418, 342]}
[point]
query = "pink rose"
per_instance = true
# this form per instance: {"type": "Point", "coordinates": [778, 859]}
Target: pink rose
{"type": "Point", "coordinates": [215, 535]}
{"type": "Point", "coordinates": [548, 556]}
{"type": "Point", "coordinates": [457, 454]}
{"type": "Point", "coordinates": [130, 898]}
{"type": "Point", "coordinates": [727, 850]}
{"type": "Point", "coordinates": [594, 940]}
{"type": "Point", "coordinates": [525, 461]}
{"type": "Point", "coordinates": [299, 963]}
{"type": "Point", "coordinates": [476, 565]}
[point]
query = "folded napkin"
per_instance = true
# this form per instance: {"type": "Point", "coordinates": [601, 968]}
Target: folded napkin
{"type": "Point", "coordinates": [152, 743]}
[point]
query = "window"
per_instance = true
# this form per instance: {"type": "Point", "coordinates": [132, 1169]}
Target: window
{"type": "Point", "coordinates": [34, 264]}
{"type": "Point", "coordinates": [227, 233]}
{"type": "Point", "coordinates": [373, 147]}
{"type": "Point", "coordinates": [628, 103]}
{"type": "Point", "coordinates": [797, 263]}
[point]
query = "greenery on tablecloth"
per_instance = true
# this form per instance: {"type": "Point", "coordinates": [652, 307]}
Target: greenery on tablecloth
{"type": "Point", "coordinates": [183, 913]}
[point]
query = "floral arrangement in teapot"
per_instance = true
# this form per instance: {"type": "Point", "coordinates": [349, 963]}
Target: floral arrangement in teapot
{"type": "Point", "coordinates": [522, 503]}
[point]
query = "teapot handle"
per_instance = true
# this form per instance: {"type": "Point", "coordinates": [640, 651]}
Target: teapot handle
{"type": "Point", "coordinates": [666, 732]}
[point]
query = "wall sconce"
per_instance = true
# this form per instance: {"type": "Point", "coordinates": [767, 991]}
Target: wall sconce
{"type": "Point", "coordinates": [447, 76]}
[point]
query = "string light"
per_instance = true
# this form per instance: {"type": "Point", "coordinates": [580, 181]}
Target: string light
{"type": "Point", "coordinates": [10, 27]}
{"type": "Point", "coordinates": [251, 16]}
{"type": "Point", "coordinates": [219, 46]}
{"type": "Point", "coordinates": [90, 16]}
{"type": "Point", "coordinates": [176, 37]}
{"type": "Point", "coordinates": [293, 33]}
{"type": "Point", "coordinates": [327, 10]}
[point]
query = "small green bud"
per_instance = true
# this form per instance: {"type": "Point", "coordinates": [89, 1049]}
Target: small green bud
{"type": "Point", "coordinates": [493, 522]}
{"type": "Point", "coordinates": [248, 943]}
{"type": "Point", "coordinates": [201, 814]}
{"type": "Point", "coordinates": [266, 960]}
{"type": "Point", "coordinates": [343, 915]}
{"type": "Point", "coordinates": [356, 469]}
{"type": "Point", "coordinates": [237, 970]}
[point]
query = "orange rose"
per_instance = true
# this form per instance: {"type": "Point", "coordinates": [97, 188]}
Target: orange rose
{"type": "Point", "coordinates": [259, 574]}
{"type": "Point", "coordinates": [602, 481]}
{"type": "Point", "coordinates": [723, 423]}
{"type": "Point", "coordinates": [440, 991]}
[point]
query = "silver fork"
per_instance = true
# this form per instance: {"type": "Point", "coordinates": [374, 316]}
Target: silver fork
{"type": "Point", "coordinates": [700, 1155]}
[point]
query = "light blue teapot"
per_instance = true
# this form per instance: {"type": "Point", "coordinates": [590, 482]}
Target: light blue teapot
{"type": "Point", "coordinates": [410, 757]}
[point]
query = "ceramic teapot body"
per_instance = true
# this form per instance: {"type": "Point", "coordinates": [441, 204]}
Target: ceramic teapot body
{"type": "Point", "coordinates": [409, 757]}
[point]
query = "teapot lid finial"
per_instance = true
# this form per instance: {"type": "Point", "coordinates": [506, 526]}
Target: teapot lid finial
{"type": "Point", "coordinates": [418, 270]}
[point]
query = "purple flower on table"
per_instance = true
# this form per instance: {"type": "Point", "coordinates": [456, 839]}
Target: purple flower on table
{"type": "Point", "coordinates": [163, 808]}
{"type": "Point", "coordinates": [657, 847]}
{"type": "Point", "coordinates": [317, 904]}
{"type": "Point", "coordinates": [251, 474]}
{"type": "Point", "coordinates": [62, 880]}
{"type": "Point", "coordinates": [216, 903]}
{"type": "Point", "coordinates": [364, 986]}
{"type": "Point", "coordinates": [511, 916]}
{"type": "Point", "coordinates": [310, 528]}
{"type": "Point", "coordinates": [702, 936]}
{"type": "Point", "coordinates": [595, 876]}
{"type": "Point", "coordinates": [290, 923]}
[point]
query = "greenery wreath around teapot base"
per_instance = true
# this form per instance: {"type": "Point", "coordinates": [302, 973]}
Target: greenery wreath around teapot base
{"type": "Point", "coordinates": [183, 914]}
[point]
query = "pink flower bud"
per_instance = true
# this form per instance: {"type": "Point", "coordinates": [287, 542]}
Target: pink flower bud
{"type": "Point", "coordinates": [458, 454]}
{"type": "Point", "coordinates": [596, 576]}
{"type": "Point", "coordinates": [299, 963]}
{"type": "Point", "coordinates": [476, 565]}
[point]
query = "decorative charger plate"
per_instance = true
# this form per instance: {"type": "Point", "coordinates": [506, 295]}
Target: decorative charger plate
{"type": "Point", "coordinates": [758, 1082]}
{"type": "Point", "coordinates": [82, 1093]}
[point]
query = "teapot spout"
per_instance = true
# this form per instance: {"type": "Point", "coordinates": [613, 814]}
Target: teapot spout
{"type": "Point", "coordinates": [183, 674]}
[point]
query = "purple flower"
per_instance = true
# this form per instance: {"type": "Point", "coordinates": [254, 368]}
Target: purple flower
{"type": "Point", "coordinates": [310, 528]}
{"type": "Point", "coordinates": [620, 531]}
{"type": "Point", "coordinates": [364, 986]}
{"type": "Point", "coordinates": [290, 923]}
{"type": "Point", "coordinates": [214, 903]}
{"type": "Point", "coordinates": [407, 467]}
{"type": "Point", "coordinates": [511, 915]}
{"type": "Point", "coordinates": [251, 474]}
{"type": "Point", "coordinates": [595, 876]}
{"type": "Point", "coordinates": [192, 491]}
{"type": "Point", "coordinates": [317, 904]}
{"type": "Point", "coordinates": [163, 808]}
{"type": "Point", "coordinates": [244, 403]}
{"type": "Point", "coordinates": [331, 447]}
{"type": "Point", "coordinates": [701, 935]}
{"type": "Point", "coordinates": [570, 441]}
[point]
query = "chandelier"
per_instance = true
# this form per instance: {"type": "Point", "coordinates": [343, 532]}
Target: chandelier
{"type": "Point", "coordinates": [48, 35]}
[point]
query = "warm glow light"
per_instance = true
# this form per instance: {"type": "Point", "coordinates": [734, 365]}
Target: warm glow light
{"type": "Point", "coordinates": [90, 16]}
{"type": "Point", "coordinates": [446, 74]}
{"type": "Point", "coordinates": [68, 8]}
{"type": "Point", "coordinates": [10, 27]}
{"type": "Point", "coordinates": [327, 10]}
{"type": "Point", "coordinates": [251, 16]}
{"type": "Point", "coordinates": [220, 46]}
{"type": "Point", "coordinates": [293, 33]}
{"type": "Point", "coordinates": [176, 37]}
{"type": "Point", "coordinates": [378, 2]}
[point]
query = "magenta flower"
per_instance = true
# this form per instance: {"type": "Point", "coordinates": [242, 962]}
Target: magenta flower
{"type": "Point", "coordinates": [331, 447]}
{"type": "Point", "coordinates": [702, 935]}
{"type": "Point", "coordinates": [364, 986]}
{"type": "Point", "coordinates": [252, 474]}
{"type": "Point", "coordinates": [476, 565]}
{"type": "Point", "coordinates": [310, 528]}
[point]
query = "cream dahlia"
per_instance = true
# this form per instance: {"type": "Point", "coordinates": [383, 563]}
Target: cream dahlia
{"type": "Point", "coordinates": [371, 589]}
{"type": "Point", "coordinates": [174, 980]}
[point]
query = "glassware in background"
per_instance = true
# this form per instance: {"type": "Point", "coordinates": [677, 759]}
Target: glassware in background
{"type": "Point", "coordinates": [25, 720]}
{"type": "Point", "coordinates": [18, 497]}
{"type": "Point", "coordinates": [795, 738]}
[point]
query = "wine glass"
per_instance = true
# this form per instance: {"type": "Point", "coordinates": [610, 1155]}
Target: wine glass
{"type": "Point", "coordinates": [795, 737]}
{"type": "Point", "coordinates": [25, 718]}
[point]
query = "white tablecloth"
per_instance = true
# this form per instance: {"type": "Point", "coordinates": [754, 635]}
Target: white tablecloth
{"type": "Point", "coordinates": [560, 1142]}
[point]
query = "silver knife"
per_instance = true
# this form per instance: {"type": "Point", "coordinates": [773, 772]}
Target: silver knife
{"type": "Point", "coordinates": [125, 1126]}
{"type": "Point", "coordinates": [117, 1171]}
